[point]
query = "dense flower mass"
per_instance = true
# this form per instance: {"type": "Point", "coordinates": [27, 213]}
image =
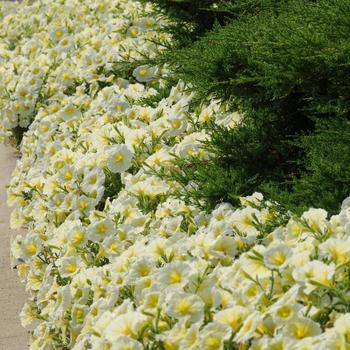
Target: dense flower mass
{"type": "Point", "coordinates": [52, 50]}
{"type": "Point", "coordinates": [114, 258]}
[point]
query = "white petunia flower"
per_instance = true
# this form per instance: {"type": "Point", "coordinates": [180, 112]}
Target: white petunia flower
{"type": "Point", "coordinates": [184, 305]}
{"type": "Point", "coordinates": [141, 267]}
{"type": "Point", "coordinates": [213, 336]}
{"type": "Point", "coordinates": [128, 324]}
{"type": "Point", "coordinates": [249, 327]}
{"type": "Point", "coordinates": [58, 33]}
{"type": "Point", "coordinates": [98, 230]}
{"type": "Point", "coordinates": [336, 249]}
{"type": "Point", "coordinates": [174, 275]}
{"type": "Point", "coordinates": [342, 326]}
{"type": "Point", "coordinates": [30, 246]}
{"type": "Point", "coordinates": [232, 317]}
{"type": "Point", "coordinates": [117, 106]}
{"type": "Point", "coordinates": [119, 158]}
{"type": "Point", "coordinates": [312, 273]}
{"type": "Point", "coordinates": [70, 112]}
{"type": "Point", "coordinates": [69, 266]}
{"type": "Point", "coordinates": [316, 219]}
{"type": "Point", "coordinates": [301, 328]}
{"type": "Point", "coordinates": [77, 235]}
{"type": "Point", "coordinates": [144, 74]}
{"type": "Point", "coordinates": [126, 343]}
{"type": "Point", "coordinates": [276, 256]}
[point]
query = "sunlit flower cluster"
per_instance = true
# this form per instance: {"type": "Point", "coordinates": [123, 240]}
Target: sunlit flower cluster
{"type": "Point", "coordinates": [114, 258]}
{"type": "Point", "coordinates": [50, 49]}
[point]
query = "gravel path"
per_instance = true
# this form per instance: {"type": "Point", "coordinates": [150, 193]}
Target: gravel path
{"type": "Point", "coordinates": [12, 295]}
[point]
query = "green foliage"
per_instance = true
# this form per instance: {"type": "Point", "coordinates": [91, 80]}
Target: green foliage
{"type": "Point", "coordinates": [162, 92]}
{"type": "Point", "coordinates": [296, 62]}
{"type": "Point", "coordinates": [113, 185]}
{"type": "Point", "coordinates": [242, 161]}
{"type": "Point", "coordinates": [325, 182]}
{"type": "Point", "coordinates": [193, 18]}
{"type": "Point", "coordinates": [286, 70]}
{"type": "Point", "coordinates": [18, 133]}
{"type": "Point", "coordinates": [242, 164]}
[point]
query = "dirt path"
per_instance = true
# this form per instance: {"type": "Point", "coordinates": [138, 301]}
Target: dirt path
{"type": "Point", "coordinates": [12, 295]}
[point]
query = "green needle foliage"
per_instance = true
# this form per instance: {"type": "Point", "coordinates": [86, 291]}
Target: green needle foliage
{"type": "Point", "coordinates": [297, 61]}
{"type": "Point", "coordinates": [193, 18]}
{"type": "Point", "coordinates": [243, 160]}
{"type": "Point", "coordinates": [113, 185]}
{"type": "Point", "coordinates": [201, 14]}
{"type": "Point", "coordinates": [287, 70]}
{"type": "Point", "coordinates": [325, 182]}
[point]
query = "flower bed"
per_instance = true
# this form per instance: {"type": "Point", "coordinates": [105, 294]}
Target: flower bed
{"type": "Point", "coordinates": [114, 257]}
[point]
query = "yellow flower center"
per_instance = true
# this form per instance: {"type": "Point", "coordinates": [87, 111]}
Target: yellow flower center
{"type": "Point", "coordinates": [143, 72]}
{"type": "Point", "coordinates": [169, 346]}
{"type": "Point", "coordinates": [144, 270]}
{"type": "Point", "coordinates": [145, 116]}
{"type": "Point", "coordinates": [22, 270]}
{"type": "Point", "coordinates": [65, 76]}
{"type": "Point", "coordinates": [101, 228]}
{"type": "Point", "coordinates": [86, 104]}
{"type": "Point", "coordinates": [68, 175]}
{"type": "Point", "coordinates": [301, 331]}
{"type": "Point", "coordinates": [31, 249]}
{"type": "Point", "coordinates": [175, 277]}
{"type": "Point", "coordinates": [44, 128]}
{"type": "Point", "coordinates": [53, 109]}
{"type": "Point", "coordinates": [176, 124]}
{"type": "Point", "coordinates": [315, 226]}
{"type": "Point", "coordinates": [190, 152]}
{"type": "Point", "coordinates": [247, 220]}
{"type": "Point", "coordinates": [114, 247]}
{"type": "Point", "coordinates": [184, 307]}
{"type": "Point", "coordinates": [119, 157]}
{"type": "Point", "coordinates": [252, 291]}
{"type": "Point", "coordinates": [16, 106]}
{"type": "Point", "coordinates": [221, 247]}
{"type": "Point", "coordinates": [134, 32]}
{"type": "Point", "coordinates": [234, 322]}
{"type": "Point", "coordinates": [120, 108]}
{"type": "Point", "coordinates": [127, 347]}
{"type": "Point", "coordinates": [148, 282]}
{"type": "Point", "coordinates": [59, 33]}
{"type": "Point", "coordinates": [153, 301]}
{"type": "Point", "coordinates": [206, 117]}
{"type": "Point", "coordinates": [279, 258]}
{"type": "Point", "coordinates": [127, 331]}
{"type": "Point", "coordinates": [79, 313]}
{"type": "Point", "coordinates": [100, 292]}
{"type": "Point", "coordinates": [23, 93]}
{"type": "Point", "coordinates": [71, 268]}
{"type": "Point", "coordinates": [79, 236]}
{"type": "Point", "coordinates": [213, 343]}
{"type": "Point", "coordinates": [70, 110]}
{"type": "Point", "coordinates": [337, 255]}
{"type": "Point", "coordinates": [83, 205]}
{"type": "Point", "coordinates": [284, 312]}
{"type": "Point", "coordinates": [277, 346]}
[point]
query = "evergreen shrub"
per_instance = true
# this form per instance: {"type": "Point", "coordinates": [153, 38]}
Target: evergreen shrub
{"type": "Point", "coordinates": [296, 62]}
{"type": "Point", "coordinates": [325, 182]}
{"type": "Point", "coordinates": [287, 71]}
{"type": "Point", "coordinates": [193, 18]}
